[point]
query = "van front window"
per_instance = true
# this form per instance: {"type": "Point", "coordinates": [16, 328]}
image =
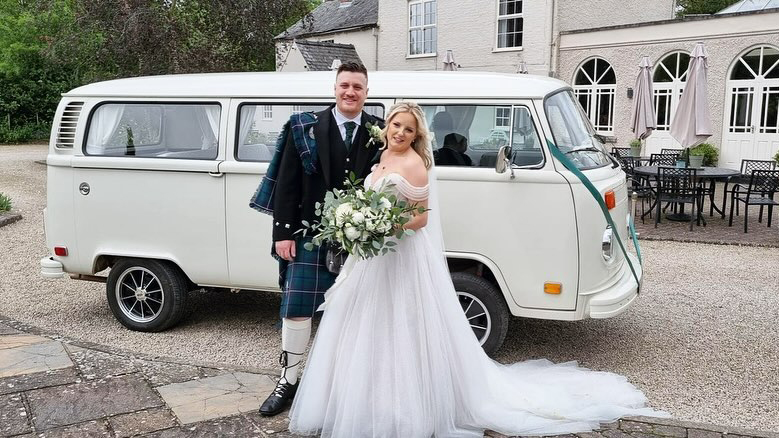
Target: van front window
{"type": "Point", "coordinates": [573, 134]}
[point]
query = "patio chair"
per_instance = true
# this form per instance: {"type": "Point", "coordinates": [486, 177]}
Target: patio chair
{"type": "Point", "coordinates": [636, 184]}
{"type": "Point", "coordinates": [678, 186]}
{"type": "Point", "coordinates": [620, 152]}
{"type": "Point", "coordinates": [747, 166]}
{"type": "Point", "coordinates": [663, 159]}
{"type": "Point", "coordinates": [671, 151]}
{"type": "Point", "coordinates": [763, 184]}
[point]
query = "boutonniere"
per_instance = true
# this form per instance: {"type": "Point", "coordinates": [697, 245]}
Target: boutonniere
{"type": "Point", "coordinates": [374, 131]}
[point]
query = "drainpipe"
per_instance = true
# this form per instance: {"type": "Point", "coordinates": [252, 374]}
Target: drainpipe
{"type": "Point", "coordinates": [553, 46]}
{"type": "Point", "coordinates": [375, 34]}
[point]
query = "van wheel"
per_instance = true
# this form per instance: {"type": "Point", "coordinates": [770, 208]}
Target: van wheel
{"type": "Point", "coordinates": [485, 309]}
{"type": "Point", "coordinates": [146, 295]}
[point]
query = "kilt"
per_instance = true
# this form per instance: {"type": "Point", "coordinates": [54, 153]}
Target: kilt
{"type": "Point", "coordinates": [304, 281]}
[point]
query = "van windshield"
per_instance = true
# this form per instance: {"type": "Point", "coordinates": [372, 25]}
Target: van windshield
{"type": "Point", "coordinates": [573, 134]}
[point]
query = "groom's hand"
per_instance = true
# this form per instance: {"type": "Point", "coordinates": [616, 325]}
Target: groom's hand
{"type": "Point", "coordinates": [286, 249]}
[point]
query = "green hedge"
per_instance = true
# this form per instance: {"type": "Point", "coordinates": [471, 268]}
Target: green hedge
{"type": "Point", "coordinates": [25, 134]}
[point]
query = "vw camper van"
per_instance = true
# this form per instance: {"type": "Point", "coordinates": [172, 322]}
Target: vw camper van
{"type": "Point", "coordinates": [152, 176]}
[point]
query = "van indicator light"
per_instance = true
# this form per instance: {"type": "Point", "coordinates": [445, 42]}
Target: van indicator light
{"type": "Point", "coordinates": [553, 288]}
{"type": "Point", "coordinates": [61, 251]}
{"type": "Point", "coordinates": [611, 199]}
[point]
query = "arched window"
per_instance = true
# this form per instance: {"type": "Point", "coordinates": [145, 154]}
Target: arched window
{"type": "Point", "coordinates": [754, 92]}
{"type": "Point", "coordinates": [594, 86]}
{"type": "Point", "coordinates": [668, 81]}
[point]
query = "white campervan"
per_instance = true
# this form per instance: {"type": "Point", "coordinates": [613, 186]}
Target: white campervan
{"type": "Point", "coordinates": [152, 176]}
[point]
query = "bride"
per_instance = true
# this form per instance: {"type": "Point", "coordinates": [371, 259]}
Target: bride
{"type": "Point", "coordinates": [394, 355]}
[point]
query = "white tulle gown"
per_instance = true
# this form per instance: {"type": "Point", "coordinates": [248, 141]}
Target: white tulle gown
{"type": "Point", "coordinates": [394, 356]}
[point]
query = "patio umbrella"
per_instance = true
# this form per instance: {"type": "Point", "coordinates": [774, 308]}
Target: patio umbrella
{"type": "Point", "coordinates": [449, 62]}
{"type": "Point", "coordinates": [643, 121]}
{"type": "Point", "coordinates": [691, 124]}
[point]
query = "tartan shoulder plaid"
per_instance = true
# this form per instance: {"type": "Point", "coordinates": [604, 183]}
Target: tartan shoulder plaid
{"type": "Point", "coordinates": [301, 127]}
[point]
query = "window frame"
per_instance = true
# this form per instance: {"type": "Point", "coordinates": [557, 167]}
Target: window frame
{"type": "Point", "coordinates": [500, 17]}
{"type": "Point", "coordinates": [513, 104]}
{"type": "Point", "coordinates": [267, 109]}
{"type": "Point", "coordinates": [595, 92]}
{"type": "Point", "coordinates": [498, 109]}
{"type": "Point", "coordinates": [298, 103]}
{"type": "Point", "coordinates": [422, 27]}
{"type": "Point", "coordinates": [94, 109]}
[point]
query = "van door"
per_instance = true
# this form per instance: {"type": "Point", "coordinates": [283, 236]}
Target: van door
{"type": "Point", "coordinates": [255, 125]}
{"type": "Point", "coordinates": [147, 184]}
{"type": "Point", "coordinates": [526, 225]}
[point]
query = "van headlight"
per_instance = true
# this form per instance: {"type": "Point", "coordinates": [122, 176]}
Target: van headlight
{"type": "Point", "coordinates": [607, 245]}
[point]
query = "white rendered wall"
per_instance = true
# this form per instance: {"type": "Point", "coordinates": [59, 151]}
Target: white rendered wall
{"type": "Point", "coordinates": [364, 42]}
{"type": "Point", "coordinates": [468, 28]}
{"type": "Point", "coordinates": [588, 14]}
{"type": "Point", "coordinates": [726, 38]}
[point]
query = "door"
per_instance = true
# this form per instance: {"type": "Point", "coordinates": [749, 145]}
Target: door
{"type": "Point", "coordinates": [256, 126]}
{"type": "Point", "coordinates": [148, 185]}
{"type": "Point", "coordinates": [519, 224]}
{"type": "Point", "coordinates": [751, 126]}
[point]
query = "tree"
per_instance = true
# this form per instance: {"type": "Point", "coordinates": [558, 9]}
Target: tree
{"type": "Point", "coordinates": [689, 7]}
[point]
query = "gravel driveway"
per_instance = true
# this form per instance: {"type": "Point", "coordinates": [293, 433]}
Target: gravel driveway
{"type": "Point", "coordinates": [701, 342]}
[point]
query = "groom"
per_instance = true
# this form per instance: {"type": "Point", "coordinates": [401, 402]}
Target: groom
{"type": "Point", "coordinates": [306, 170]}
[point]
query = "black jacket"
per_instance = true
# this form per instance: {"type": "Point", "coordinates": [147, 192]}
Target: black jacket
{"type": "Point", "coordinates": [297, 192]}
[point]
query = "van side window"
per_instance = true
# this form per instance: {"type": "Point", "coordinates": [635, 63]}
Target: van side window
{"type": "Point", "coordinates": [260, 125]}
{"type": "Point", "coordinates": [159, 130]}
{"type": "Point", "coordinates": [471, 135]}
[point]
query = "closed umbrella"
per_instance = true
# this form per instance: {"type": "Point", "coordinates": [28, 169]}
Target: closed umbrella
{"type": "Point", "coordinates": [449, 63]}
{"type": "Point", "coordinates": [691, 124]}
{"type": "Point", "coordinates": [643, 121]}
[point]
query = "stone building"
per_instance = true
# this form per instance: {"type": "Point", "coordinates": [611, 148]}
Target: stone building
{"type": "Point", "coordinates": [595, 45]}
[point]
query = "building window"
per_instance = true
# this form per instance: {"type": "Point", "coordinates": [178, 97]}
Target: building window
{"type": "Point", "coordinates": [668, 81]}
{"type": "Point", "coordinates": [502, 117]}
{"type": "Point", "coordinates": [510, 23]}
{"type": "Point", "coordinates": [296, 109]}
{"type": "Point", "coordinates": [267, 112]}
{"type": "Point", "coordinates": [421, 27]}
{"type": "Point", "coordinates": [594, 87]}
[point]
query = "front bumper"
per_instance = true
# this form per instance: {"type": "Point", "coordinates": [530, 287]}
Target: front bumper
{"type": "Point", "coordinates": [619, 296]}
{"type": "Point", "coordinates": [51, 268]}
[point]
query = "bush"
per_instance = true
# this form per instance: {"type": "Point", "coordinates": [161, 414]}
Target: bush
{"type": "Point", "coordinates": [709, 152]}
{"type": "Point", "coordinates": [25, 133]}
{"type": "Point", "coordinates": [776, 157]}
{"type": "Point", "coordinates": [5, 203]}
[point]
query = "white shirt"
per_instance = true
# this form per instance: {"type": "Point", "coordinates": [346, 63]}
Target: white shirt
{"type": "Point", "coordinates": [340, 119]}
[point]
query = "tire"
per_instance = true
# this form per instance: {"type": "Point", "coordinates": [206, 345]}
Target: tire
{"type": "Point", "coordinates": [146, 295]}
{"type": "Point", "coordinates": [485, 309]}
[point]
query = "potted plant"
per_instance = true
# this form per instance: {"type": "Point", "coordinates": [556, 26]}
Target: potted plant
{"type": "Point", "coordinates": [635, 148]}
{"type": "Point", "coordinates": [705, 154]}
{"type": "Point", "coordinates": [776, 157]}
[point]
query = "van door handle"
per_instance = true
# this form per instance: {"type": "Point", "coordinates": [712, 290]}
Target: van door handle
{"type": "Point", "coordinates": [216, 174]}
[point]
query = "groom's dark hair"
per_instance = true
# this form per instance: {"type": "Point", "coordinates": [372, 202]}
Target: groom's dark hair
{"type": "Point", "coordinates": [354, 67]}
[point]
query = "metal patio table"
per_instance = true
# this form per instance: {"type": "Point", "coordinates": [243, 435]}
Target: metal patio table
{"type": "Point", "coordinates": [712, 174]}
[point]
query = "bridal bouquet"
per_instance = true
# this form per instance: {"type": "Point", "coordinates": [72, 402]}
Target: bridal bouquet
{"type": "Point", "coordinates": [360, 221]}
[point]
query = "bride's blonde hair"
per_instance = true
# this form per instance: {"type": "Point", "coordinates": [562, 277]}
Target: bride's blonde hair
{"type": "Point", "coordinates": [422, 141]}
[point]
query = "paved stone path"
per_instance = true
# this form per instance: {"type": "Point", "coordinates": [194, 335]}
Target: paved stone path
{"type": "Point", "coordinates": [53, 387]}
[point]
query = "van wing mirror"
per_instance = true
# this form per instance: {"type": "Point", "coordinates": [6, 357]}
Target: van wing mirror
{"type": "Point", "coordinates": [503, 161]}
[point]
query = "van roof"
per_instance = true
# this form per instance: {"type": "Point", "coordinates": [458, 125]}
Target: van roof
{"type": "Point", "coordinates": [388, 84]}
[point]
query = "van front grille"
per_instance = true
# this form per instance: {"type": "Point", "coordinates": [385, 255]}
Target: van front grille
{"type": "Point", "coordinates": [66, 133]}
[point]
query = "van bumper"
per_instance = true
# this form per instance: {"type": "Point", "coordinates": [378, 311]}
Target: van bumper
{"type": "Point", "coordinates": [51, 268]}
{"type": "Point", "coordinates": [620, 296]}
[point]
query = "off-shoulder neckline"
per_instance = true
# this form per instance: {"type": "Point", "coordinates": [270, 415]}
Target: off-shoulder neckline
{"type": "Point", "coordinates": [401, 177]}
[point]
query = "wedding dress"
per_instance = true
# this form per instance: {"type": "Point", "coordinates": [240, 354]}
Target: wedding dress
{"type": "Point", "coordinates": [394, 356]}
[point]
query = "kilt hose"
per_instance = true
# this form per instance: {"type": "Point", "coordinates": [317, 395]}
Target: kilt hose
{"type": "Point", "coordinates": [304, 281]}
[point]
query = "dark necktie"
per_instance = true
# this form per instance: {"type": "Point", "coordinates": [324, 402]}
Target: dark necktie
{"type": "Point", "coordinates": [349, 133]}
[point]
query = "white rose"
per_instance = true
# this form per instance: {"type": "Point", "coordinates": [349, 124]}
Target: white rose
{"type": "Point", "coordinates": [352, 233]}
{"type": "Point", "coordinates": [369, 225]}
{"type": "Point", "coordinates": [358, 217]}
{"type": "Point", "coordinates": [385, 203]}
{"type": "Point", "coordinates": [344, 209]}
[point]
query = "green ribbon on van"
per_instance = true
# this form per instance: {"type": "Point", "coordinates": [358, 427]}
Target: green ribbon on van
{"type": "Point", "coordinates": [596, 194]}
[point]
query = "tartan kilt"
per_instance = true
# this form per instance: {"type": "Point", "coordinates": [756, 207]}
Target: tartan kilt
{"type": "Point", "coordinates": [304, 281]}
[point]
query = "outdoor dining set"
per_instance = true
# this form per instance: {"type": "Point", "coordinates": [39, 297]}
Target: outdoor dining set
{"type": "Point", "coordinates": [665, 180]}
{"type": "Point", "coordinates": [671, 179]}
